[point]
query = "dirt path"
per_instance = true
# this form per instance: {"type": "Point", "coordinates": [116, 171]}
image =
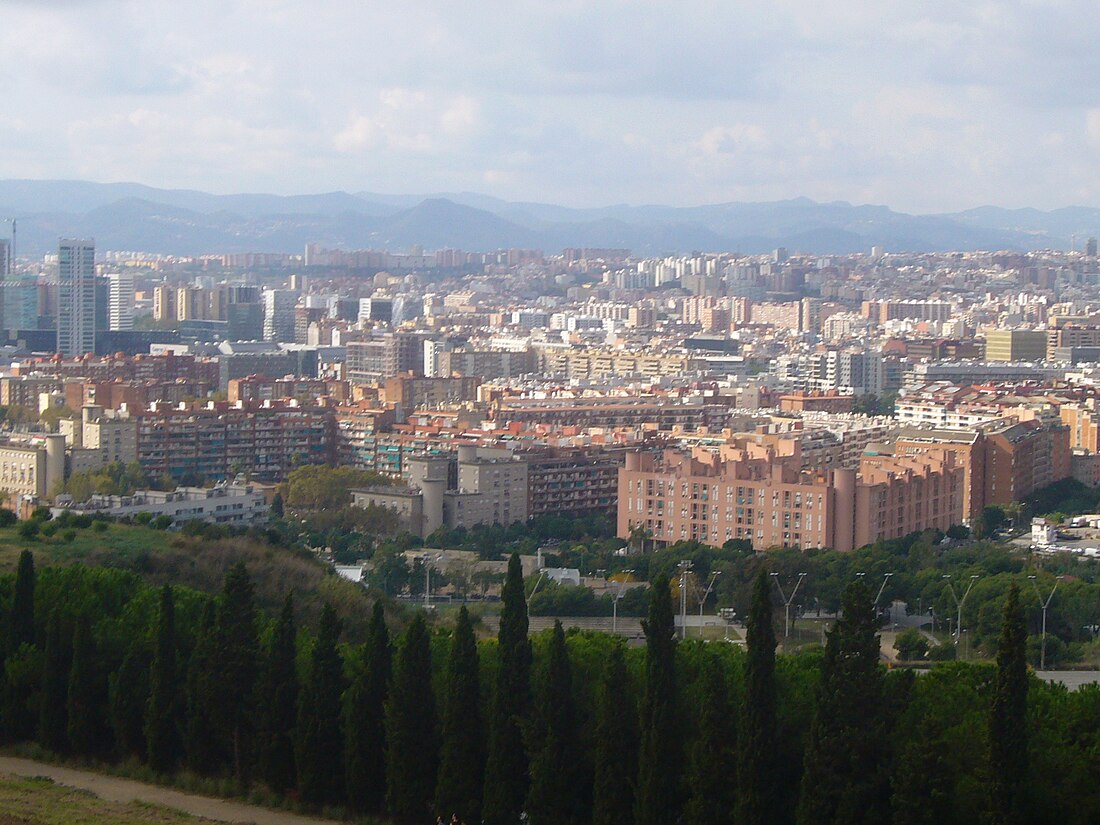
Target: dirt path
{"type": "Point", "coordinates": [116, 789]}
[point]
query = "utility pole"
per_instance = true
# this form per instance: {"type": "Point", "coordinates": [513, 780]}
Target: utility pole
{"type": "Point", "coordinates": [1045, 603]}
{"type": "Point", "coordinates": [685, 567]}
{"type": "Point", "coordinates": [959, 602]}
{"type": "Point", "coordinates": [787, 602]}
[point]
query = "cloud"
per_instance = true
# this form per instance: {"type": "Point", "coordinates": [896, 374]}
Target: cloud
{"type": "Point", "coordinates": [929, 106]}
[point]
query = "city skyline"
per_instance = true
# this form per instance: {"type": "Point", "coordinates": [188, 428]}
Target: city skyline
{"type": "Point", "coordinates": [928, 110]}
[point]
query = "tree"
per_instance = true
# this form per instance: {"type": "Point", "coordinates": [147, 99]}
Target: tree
{"type": "Point", "coordinates": [922, 783]}
{"type": "Point", "coordinates": [506, 766]}
{"type": "Point", "coordinates": [462, 757]}
{"type": "Point", "coordinates": [758, 791]}
{"type": "Point", "coordinates": [202, 695]}
{"type": "Point", "coordinates": [86, 736]}
{"type": "Point", "coordinates": [659, 757]}
{"type": "Point", "coordinates": [21, 622]}
{"type": "Point", "coordinates": [844, 782]}
{"type": "Point", "coordinates": [713, 767]}
{"type": "Point", "coordinates": [553, 743]}
{"type": "Point", "coordinates": [320, 741]}
{"type": "Point", "coordinates": [233, 666]}
{"type": "Point", "coordinates": [411, 738]}
{"type": "Point", "coordinates": [277, 505]}
{"type": "Point", "coordinates": [616, 745]}
{"type": "Point", "coordinates": [1008, 739]}
{"type": "Point", "coordinates": [365, 715]}
{"type": "Point", "coordinates": [128, 693]}
{"type": "Point", "coordinates": [911, 645]}
{"type": "Point", "coordinates": [278, 708]}
{"type": "Point", "coordinates": [162, 720]}
{"type": "Point", "coordinates": [53, 724]}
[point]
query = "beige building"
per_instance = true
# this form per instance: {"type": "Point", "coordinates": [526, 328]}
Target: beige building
{"type": "Point", "coordinates": [31, 468]}
{"type": "Point", "coordinates": [491, 488]}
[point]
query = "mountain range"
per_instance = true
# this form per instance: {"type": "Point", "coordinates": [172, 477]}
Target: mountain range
{"type": "Point", "coordinates": [131, 216]}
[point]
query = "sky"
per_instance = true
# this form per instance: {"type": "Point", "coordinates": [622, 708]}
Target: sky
{"type": "Point", "coordinates": [926, 107]}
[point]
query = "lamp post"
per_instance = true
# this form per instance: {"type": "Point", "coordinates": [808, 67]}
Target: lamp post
{"type": "Point", "coordinates": [615, 606]}
{"type": "Point", "coordinates": [1045, 603]}
{"type": "Point", "coordinates": [959, 602]}
{"type": "Point", "coordinates": [685, 566]}
{"type": "Point", "coordinates": [787, 602]}
{"type": "Point", "coordinates": [702, 602]}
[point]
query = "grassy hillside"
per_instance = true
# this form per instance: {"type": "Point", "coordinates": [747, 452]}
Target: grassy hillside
{"type": "Point", "coordinates": [41, 802]}
{"type": "Point", "coordinates": [162, 557]}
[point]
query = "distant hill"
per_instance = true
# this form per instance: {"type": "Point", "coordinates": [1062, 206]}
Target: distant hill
{"type": "Point", "coordinates": [130, 216]}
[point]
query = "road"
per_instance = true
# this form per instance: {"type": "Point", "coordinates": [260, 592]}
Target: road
{"type": "Point", "coordinates": [116, 789]}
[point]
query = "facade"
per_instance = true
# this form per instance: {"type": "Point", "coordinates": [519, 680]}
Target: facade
{"type": "Point", "coordinates": [1015, 345]}
{"type": "Point", "coordinates": [279, 318]}
{"type": "Point", "coordinates": [34, 468]}
{"type": "Point", "coordinates": [121, 316]}
{"type": "Point", "coordinates": [76, 297]}
{"type": "Point", "coordinates": [491, 489]}
{"type": "Point", "coordinates": [219, 440]}
{"type": "Point", "coordinates": [758, 493]}
{"type": "Point", "coordinates": [235, 504]}
{"type": "Point", "coordinates": [572, 480]}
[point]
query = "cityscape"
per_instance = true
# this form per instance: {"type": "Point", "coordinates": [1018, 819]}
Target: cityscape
{"type": "Point", "coordinates": [549, 415]}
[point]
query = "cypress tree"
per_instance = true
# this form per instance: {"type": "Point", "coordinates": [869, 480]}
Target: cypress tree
{"type": "Point", "coordinates": [506, 765]}
{"type": "Point", "coordinates": [615, 755]}
{"type": "Point", "coordinates": [234, 664]}
{"type": "Point", "coordinates": [278, 693]}
{"type": "Point", "coordinates": [83, 706]}
{"type": "Point", "coordinates": [462, 759]}
{"type": "Point", "coordinates": [21, 621]}
{"type": "Point", "coordinates": [553, 743]}
{"type": "Point", "coordinates": [757, 791]}
{"type": "Point", "coordinates": [843, 780]}
{"type": "Point", "coordinates": [923, 784]}
{"type": "Point", "coordinates": [202, 695]}
{"type": "Point", "coordinates": [659, 757]}
{"type": "Point", "coordinates": [411, 743]}
{"type": "Point", "coordinates": [1008, 740]}
{"type": "Point", "coordinates": [320, 743]}
{"type": "Point", "coordinates": [162, 724]}
{"type": "Point", "coordinates": [365, 720]}
{"type": "Point", "coordinates": [713, 765]}
{"type": "Point", "coordinates": [129, 695]}
{"type": "Point", "coordinates": [53, 721]}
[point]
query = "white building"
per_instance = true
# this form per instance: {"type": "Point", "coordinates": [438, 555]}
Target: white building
{"type": "Point", "coordinates": [121, 315]}
{"type": "Point", "coordinates": [279, 315]}
{"type": "Point", "coordinates": [232, 504]}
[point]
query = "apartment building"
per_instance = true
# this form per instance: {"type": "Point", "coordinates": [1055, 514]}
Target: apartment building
{"type": "Point", "coordinates": [219, 440]}
{"type": "Point", "coordinates": [759, 493]}
{"type": "Point", "coordinates": [233, 504]}
{"type": "Point", "coordinates": [566, 480]}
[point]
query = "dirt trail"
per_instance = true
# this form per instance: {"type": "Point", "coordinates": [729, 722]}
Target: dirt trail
{"type": "Point", "coordinates": [116, 789]}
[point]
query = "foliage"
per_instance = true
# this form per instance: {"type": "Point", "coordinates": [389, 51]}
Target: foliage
{"type": "Point", "coordinates": [320, 741]}
{"type": "Point", "coordinates": [319, 487]}
{"type": "Point", "coordinates": [364, 713]}
{"type": "Point", "coordinates": [1008, 718]}
{"type": "Point", "coordinates": [462, 761]}
{"type": "Point", "coordinates": [757, 802]}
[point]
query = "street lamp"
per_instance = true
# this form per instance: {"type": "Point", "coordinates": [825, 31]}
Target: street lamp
{"type": "Point", "coordinates": [1045, 603]}
{"type": "Point", "coordinates": [702, 602]}
{"type": "Point", "coordinates": [959, 602]}
{"type": "Point", "coordinates": [615, 605]}
{"type": "Point", "coordinates": [427, 559]}
{"type": "Point", "coordinates": [685, 566]}
{"type": "Point", "coordinates": [787, 602]}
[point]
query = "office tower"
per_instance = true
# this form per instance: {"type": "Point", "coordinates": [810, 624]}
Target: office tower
{"type": "Point", "coordinates": [5, 257]}
{"type": "Point", "coordinates": [20, 303]}
{"type": "Point", "coordinates": [279, 315]}
{"type": "Point", "coordinates": [102, 304]}
{"type": "Point", "coordinates": [1090, 247]}
{"type": "Point", "coordinates": [122, 301]}
{"type": "Point", "coordinates": [76, 297]}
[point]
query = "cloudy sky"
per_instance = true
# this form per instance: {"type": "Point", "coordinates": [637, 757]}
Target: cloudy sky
{"type": "Point", "coordinates": [924, 106]}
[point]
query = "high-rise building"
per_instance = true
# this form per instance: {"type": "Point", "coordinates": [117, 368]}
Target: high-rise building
{"type": "Point", "coordinates": [279, 315]}
{"type": "Point", "coordinates": [122, 301]}
{"type": "Point", "coordinates": [5, 257]}
{"type": "Point", "coordinates": [76, 297]}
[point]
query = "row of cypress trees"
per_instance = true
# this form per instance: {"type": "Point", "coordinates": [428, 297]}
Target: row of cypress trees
{"type": "Point", "coordinates": [372, 729]}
